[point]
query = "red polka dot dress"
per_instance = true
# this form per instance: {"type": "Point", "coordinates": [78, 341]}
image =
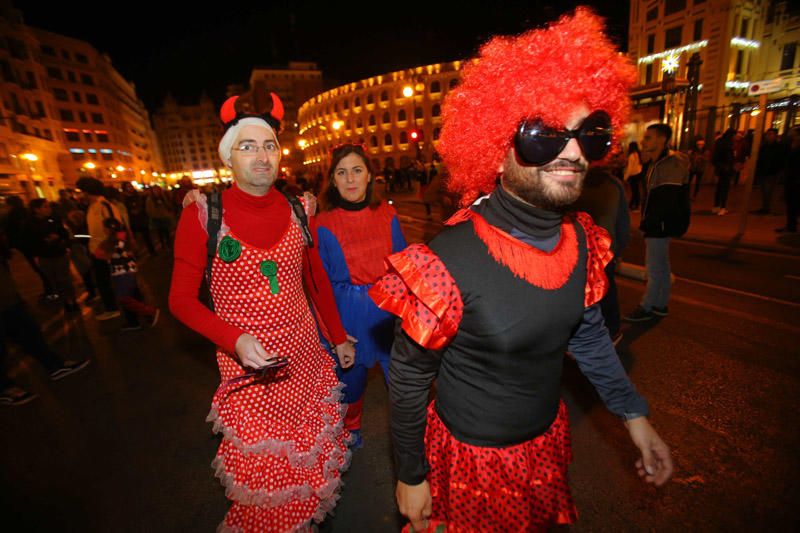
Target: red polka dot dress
{"type": "Point", "coordinates": [283, 446]}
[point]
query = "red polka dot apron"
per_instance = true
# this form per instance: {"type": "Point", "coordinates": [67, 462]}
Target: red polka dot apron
{"type": "Point", "coordinates": [283, 446]}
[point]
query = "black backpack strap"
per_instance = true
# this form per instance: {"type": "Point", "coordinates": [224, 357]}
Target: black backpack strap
{"type": "Point", "coordinates": [300, 213]}
{"type": "Point", "coordinates": [213, 225]}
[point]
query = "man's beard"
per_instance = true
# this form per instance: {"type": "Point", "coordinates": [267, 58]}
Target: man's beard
{"type": "Point", "coordinates": [531, 186]}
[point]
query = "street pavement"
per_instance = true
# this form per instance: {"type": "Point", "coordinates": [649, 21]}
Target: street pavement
{"type": "Point", "coordinates": [124, 446]}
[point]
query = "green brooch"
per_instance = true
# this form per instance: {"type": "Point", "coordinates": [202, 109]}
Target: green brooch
{"type": "Point", "coordinates": [229, 249]}
{"type": "Point", "coordinates": [270, 270]}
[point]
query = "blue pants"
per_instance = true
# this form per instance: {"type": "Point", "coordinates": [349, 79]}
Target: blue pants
{"type": "Point", "coordinates": [658, 273]}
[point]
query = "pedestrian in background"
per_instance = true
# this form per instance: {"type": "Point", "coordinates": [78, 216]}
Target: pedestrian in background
{"type": "Point", "coordinates": [19, 238]}
{"type": "Point", "coordinates": [158, 210]}
{"type": "Point", "coordinates": [665, 215]}
{"type": "Point", "coordinates": [17, 324]}
{"type": "Point", "coordinates": [791, 182]}
{"type": "Point", "coordinates": [771, 161]}
{"type": "Point", "coordinates": [137, 214]}
{"type": "Point", "coordinates": [724, 168]}
{"type": "Point", "coordinates": [698, 158]}
{"type": "Point", "coordinates": [633, 175]}
{"type": "Point", "coordinates": [50, 246]}
{"type": "Point", "coordinates": [98, 212]}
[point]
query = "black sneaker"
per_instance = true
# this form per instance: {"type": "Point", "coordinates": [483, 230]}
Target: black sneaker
{"type": "Point", "coordinates": [69, 367]}
{"type": "Point", "coordinates": [660, 311]}
{"type": "Point", "coordinates": [14, 395]}
{"type": "Point", "coordinates": [640, 314]}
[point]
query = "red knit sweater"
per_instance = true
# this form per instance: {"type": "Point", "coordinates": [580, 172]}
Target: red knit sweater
{"type": "Point", "coordinates": [260, 221]}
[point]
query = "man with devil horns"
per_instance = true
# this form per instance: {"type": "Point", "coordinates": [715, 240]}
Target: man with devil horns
{"type": "Point", "coordinates": [491, 305]}
{"type": "Point", "coordinates": [284, 446]}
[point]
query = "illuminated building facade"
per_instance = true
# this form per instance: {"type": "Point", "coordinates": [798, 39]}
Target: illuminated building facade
{"type": "Point", "coordinates": [29, 132]}
{"type": "Point", "coordinates": [294, 85]}
{"type": "Point", "coordinates": [382, 112]}
{"type": "Point", "coordinates": [189, 136]}
{"type": "Point", "coordinates": [738, 41]}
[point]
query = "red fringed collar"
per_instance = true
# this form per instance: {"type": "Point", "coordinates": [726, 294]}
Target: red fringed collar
{"type": "Point", "coordinates": [546, 270]}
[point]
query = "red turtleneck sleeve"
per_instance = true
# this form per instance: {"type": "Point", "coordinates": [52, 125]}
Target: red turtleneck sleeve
{"type": "Point", "coordinates": [260, 221]}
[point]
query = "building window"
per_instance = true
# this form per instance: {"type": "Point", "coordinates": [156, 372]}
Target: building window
{"type": "Point", "coordinates": [72, 136]}
{"type": "Point", "coordinates": [86, 79]}
{"type": "Point", "coordinates": [107, 157]}
{"type": "Point", "coordinates": [648, 74]}
{"type": "Point", "coordinates": [672, 37]}
{"type": "Point", "coordinates": [65, 54]}
{"type": "Point", "coordinates": [387, 139]}
{"type": "Point", "coordinates": [32, 81]}
{"type": "Point", "coordinates": [76, 96]}
{"type": "Point", "coordinates": [373, 141]}
{"type": "Point", "coordinates": [66, 115]}
{"type": "Point", "coordinates": [436, 87]}
{"type": "Point", "coordinates": [698, 29]}
{"type": "Point", "coordinates": [384, 96]}
{"type": "Point", "coordinates": [17, 49]}
{"type": "Point", "coordinates": [673, 6]}
{"type": "Point", "coordinates": [60, 94]}
{"type": "Point", "coordinates": [48, 135]}
{"type": "Point", "coordinates": [453, 83]}
{"type": "Point", "coordinates": [652, 14]}
{"type": "Point", "coordinates": [745, 28]}
{"type": "Point", "coordinates": [88, 137]}
{"type": "Point", "coordinates": [787, 56]}
{"type": "Point", "coordinates": [102, 137]}
{"type": "Point", "coordinates": [386, 119]}
{"type": "Point", "coordinates": [55, 73]}
{"type": "Point", "coordinates": [651, 43]}
{"type": "Point", "coordinates": [739, 61]}
{"type": "Point", "coordinates": [370, 99]}
{"type": "Point", "coordinates": [359, 123]}
{"type": "Point", "coordinates": [40, 109]}
{"type": "Point", "coordinates": [401, 115]}
{"type": "Point", "coordinates": [82, 116]}
{"type": "Point", "coordinates": [436, 110]}
{"type": "Point", "coordinates": [71, 76]}
{"type": "Point", "coordinates": [403, 137]}
{"type": "Point", "coordinates": [357, 101]}
{"type": "Point", "coordinates": [372, 120]}
{"type": "Point", "coordinates": [436, 132]}
{"type": "Point", "coordinates": [82, 58]}
{"type": "Point", "coordinates": [78, 157]}
{"type": "Point", "coordinates": [97, 118]}
{"type": "Point", "coordinates": [48, 50]}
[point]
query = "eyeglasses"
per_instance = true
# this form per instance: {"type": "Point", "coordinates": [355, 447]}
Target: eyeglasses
{"type": "Point", "coordinates": [269, 147]}
{"type": "Point", "coordinates": [536, 143]}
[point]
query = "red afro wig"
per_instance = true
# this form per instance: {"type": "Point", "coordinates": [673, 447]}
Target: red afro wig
{"type": "Point", "coordinates": [542, 73]}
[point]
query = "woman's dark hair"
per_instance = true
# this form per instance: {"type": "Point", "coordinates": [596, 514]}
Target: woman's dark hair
{"type": "Point", "coordinates": [633, 147]}
{"type": "Point", "coordinates": [329, 197]}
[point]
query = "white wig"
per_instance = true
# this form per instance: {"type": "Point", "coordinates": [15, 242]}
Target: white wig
{"type": "Point", "coordinates": [226, 143]}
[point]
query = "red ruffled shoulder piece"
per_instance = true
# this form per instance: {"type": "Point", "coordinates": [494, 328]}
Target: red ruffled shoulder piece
{"type": "Point", "coordinates": [420, 291]}
{"type": "Point", "coordinates": [546, 270]}
{"type": "Point", "coordinates": [598, 244]}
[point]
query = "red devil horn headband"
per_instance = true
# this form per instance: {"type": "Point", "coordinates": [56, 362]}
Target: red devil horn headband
{"type": "Point", "coordinates": [252, 104]}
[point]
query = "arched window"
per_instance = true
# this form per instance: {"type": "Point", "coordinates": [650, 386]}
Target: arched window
{"type": "Point", "coordinates": [357, 101]}
{"type": "Point", "coordinates": [401, 115]}
{"type": "Point", "coordinates": [418, 112]}
{"type": "Point", "coordinates": [370, 99]}
{"type": "Point", "coordinates": [436, 87]}
{"type": "Point", "coordinates": [453, 82]}
{"type": "Point", "coordinates": [372, 120]}
{"type": "Point", "coordinates": [387, 139]}
{"type": "Point", "coordinates": [436, 110]}
{"type": "Point", "coordinates": [384, 96]}
{"type": "Point", "coordinates": [359, 123]}
{"type": "Point", "coordinates": [403, 137]}
{"type": "Point", "coordinates": [373, 141]}
{"type": "Point", "coordinates": [345, 104]}
{"type": "Point", "coordinates": [436, 134]}
{"type": "Point", "coordinates": [386, 118]}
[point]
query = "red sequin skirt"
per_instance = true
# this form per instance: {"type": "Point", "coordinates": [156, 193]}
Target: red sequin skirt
{"type": "Point", "coordinates": [516, 488]}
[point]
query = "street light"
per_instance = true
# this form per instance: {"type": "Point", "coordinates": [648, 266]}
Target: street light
{"type": "Point", "coordinates": [408, 92]}
{"type": "Point", "coordinates": [337, 125]}
{"type": "Point", "coordinates": [28, 156]}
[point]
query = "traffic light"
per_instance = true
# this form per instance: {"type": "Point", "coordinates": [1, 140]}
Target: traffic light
{"type": "Point", "coordinates": [415, 135]}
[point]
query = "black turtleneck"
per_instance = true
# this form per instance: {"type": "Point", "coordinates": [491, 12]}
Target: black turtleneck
{"type": "Point", "coordinates": [506, 212]}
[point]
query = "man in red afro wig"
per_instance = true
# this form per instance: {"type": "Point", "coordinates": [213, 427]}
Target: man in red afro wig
{"type": "Point", "coordinates": [542, 73]}
{"type": "Point", "coordinates": [489, 307]}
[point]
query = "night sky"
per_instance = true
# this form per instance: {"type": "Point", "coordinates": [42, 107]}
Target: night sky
{"type": "Point", "coordinates": [181, 49]}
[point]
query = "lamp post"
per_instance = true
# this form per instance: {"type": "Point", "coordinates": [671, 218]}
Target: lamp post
{"type": "Point", "coordinates": [408, 92]}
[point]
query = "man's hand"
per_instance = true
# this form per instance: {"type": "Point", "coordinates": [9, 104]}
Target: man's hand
{"type": "Point", "coordinates": [415, 503]}
{"type": "Point", "coordinates": [346, 352]}
{"type": "Point", "coordinates": [250, 351]}
{"type": "Point", "coordinates": [655, 465]}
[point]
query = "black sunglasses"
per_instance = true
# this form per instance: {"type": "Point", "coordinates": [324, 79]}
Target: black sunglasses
{"type": "Point", "coordinates": [536, 143]}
